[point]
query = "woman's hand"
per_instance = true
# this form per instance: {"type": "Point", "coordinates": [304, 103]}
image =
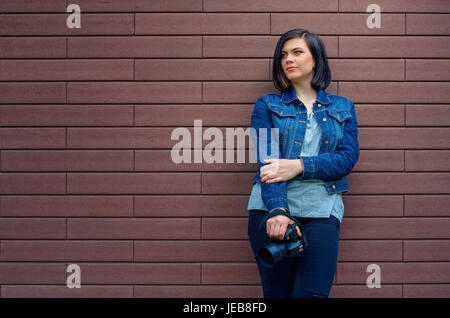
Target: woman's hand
{"type": "Point", "coordinates": [277, 170]}
{"type": "Point", "coordinates": [276, 227]}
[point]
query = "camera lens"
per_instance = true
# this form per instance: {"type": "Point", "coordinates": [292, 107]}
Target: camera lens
{"type": "Point", "coordinates": [272, 253]}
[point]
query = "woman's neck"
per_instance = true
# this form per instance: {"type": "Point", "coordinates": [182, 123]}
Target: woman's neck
{"type": "Point", "coordinates": [305, 92]}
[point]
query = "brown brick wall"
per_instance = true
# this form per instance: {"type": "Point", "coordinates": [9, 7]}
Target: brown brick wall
{"type": "Point", "coordinates": [86, 116]}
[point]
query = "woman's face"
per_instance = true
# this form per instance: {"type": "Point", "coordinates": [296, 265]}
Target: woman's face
{"type": "Point", "coordinates": [297, 61]}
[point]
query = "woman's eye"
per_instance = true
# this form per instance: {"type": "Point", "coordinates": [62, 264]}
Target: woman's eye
{"type": "Point", "coordinates": [296, 52]}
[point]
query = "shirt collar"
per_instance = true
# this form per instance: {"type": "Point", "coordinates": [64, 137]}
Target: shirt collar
{"type": "Point", "coordinates": [290, 95]}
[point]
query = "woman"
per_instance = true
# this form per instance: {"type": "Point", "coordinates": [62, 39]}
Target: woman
{"type": "Point", "coordinates": [305, 173]}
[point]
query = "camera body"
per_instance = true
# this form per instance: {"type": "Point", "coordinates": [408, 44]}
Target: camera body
{"type": "Point", "coordinates": [290, 246]}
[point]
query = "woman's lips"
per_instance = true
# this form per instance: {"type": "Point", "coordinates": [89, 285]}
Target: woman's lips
{"type": "Point", "coordinates": [291, 68]}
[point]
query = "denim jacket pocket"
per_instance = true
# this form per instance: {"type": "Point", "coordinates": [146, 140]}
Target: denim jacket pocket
{"type": "Point", "coordinates": [338, 121]}
{"type": "Point", "coordinates": [281, 112]}
{"type": "Point", "coordinates": [339, 115]}
{"type": "Point", "coordinates": [282, 118]}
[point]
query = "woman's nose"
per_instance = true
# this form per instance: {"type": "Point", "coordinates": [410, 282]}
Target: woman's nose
{"type": "Point", "coordinates": [289, 58]}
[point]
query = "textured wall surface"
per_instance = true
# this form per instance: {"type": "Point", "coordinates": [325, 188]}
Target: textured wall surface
{"type": "Point", "coordinates": [86, 116]}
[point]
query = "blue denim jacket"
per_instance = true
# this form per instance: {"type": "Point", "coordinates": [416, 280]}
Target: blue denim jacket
{"type": "Point", "coordinates": [306, 198]}
{"type": "Point", "coordinates": [339, 146]}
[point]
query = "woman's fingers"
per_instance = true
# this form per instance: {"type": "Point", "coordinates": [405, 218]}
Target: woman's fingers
{"type": "Point", "coordinates": [270, 177]}
{"type": "Point", "coordinates": [266, 174]}
{"type": "Point", "coordinates": [276, 226]}
{"type": "Point", "coordinates": [274, 231]}
{"type": "Point", "coordinates": [269, 170]}
{"type": "Point", "coordinates": [277, 179]}
{"type": "Point", "coordinates": [277, 231]}
{"type": "Point", "coordinates": [298, 232]}
{"type": "Point", "coordinates": [282, 231]}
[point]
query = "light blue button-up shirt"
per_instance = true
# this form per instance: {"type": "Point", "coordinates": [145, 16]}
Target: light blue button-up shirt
{"type": "Point", "coordinates": [306, 198]}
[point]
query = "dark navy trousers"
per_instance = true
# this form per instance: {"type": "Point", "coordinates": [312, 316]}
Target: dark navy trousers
{"type": "Point", "coordinates": [311, 273]}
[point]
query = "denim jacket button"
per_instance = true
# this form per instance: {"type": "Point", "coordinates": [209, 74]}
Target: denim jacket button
{"type": "Point", "coordinates": [326, 142]}
{"type": "Point", "coordinates": [324, 119]}
{"type": "Point", "coordinates": [334, 187]}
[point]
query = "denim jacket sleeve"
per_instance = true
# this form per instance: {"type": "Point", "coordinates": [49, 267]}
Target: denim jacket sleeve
{"type": "Point", "coordinates": [274, 195]}
{"type": "Point", "coordinates": [332, 166]}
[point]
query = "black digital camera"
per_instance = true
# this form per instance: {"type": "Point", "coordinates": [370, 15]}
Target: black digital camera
{"type": "Point", "coordinates": [290, 246]}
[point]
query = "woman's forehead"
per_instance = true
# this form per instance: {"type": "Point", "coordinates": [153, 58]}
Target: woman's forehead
{"type": "Point", "coordinates": [294, 43]}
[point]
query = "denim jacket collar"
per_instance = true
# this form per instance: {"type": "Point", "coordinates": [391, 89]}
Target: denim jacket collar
{"type": "Point", "coordinates": [290, 95]}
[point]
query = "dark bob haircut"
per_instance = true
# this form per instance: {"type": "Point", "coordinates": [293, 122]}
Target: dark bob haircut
{"type": "Point", "coordinates": [322, 72]}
